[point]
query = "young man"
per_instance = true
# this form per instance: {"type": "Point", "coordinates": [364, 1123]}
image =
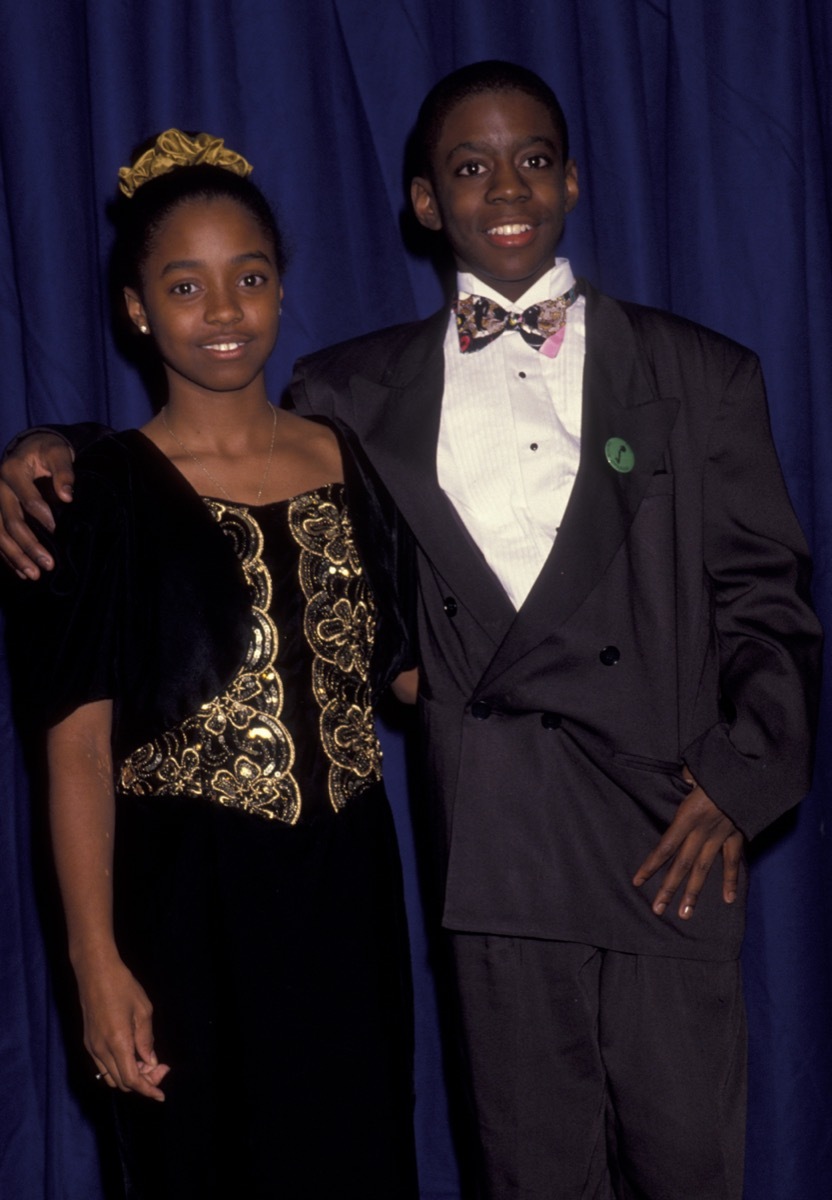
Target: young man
{"type": "Point", "coordinates": [618, 664]}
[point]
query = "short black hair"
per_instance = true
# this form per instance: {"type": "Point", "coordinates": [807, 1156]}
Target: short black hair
{"type": "Point", "coordinates": [477, 79]}
{"type": "Point", "coordinates": [138, 218]}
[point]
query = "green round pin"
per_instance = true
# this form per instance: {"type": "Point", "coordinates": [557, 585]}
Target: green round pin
{"type": "Point", "coordinates": [619, 455]}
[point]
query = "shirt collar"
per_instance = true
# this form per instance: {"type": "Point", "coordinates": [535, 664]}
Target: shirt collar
{"type": "Point", "coordinates": [551, 285]}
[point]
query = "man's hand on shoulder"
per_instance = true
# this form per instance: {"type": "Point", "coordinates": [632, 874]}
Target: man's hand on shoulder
{"type": "Point", "coordinates": [41, 455]}
{"type": "Point", "coordinates": [691, 843]}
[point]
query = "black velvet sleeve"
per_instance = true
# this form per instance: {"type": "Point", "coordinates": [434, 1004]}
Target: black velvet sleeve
{"type": "Point", "coordinates": [64, 629]}
{"type": "Point", "coordinates": [147, 603]}
{"type": "Point", "coordinates": [79, 436]}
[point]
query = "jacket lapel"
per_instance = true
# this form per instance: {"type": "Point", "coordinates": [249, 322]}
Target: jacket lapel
{"type": "Point", "coordinates": [620, 401]}
{"type": "Point", "coordinates": [397, 422]}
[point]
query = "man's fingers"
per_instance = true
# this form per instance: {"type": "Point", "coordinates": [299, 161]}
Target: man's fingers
{"type": "Point", "coordinates": [22, 551]}
{"type": "Point", "coordinates": [696, 815]}
{"type": "Point", "coordinates": [690, 845]}
{"type": "Point", "coordinates": [63, 479]}
{"type": "Point", "coordinates": [696, 879]}
{"type": "Point", "coordinates": [19, 547]}
{"type": "Point", "coordinates": [52, 455]}
{"type": "Point", "coordinates": [687, 818]}
{"type": "Point", "coordinates": [19, 493]}
{"type": "Point", "coordinates": [690, 868]}
{"type": "Point", "coordinates": [39, 456]}
{"type": "Point", "coordinates": [731, 860]}
{"type": "Point", "coordinates": [49, 457]}
{"type": "Point", "coordinates": [664, 851]}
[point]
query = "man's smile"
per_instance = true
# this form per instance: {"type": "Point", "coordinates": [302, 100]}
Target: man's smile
{"type": "Point", "coordinates": [511, 234]}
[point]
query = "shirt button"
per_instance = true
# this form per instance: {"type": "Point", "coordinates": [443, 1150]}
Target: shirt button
{"type": "Point", "coordinates": [610, 655]}
{"type": "Point", "coordinates": [550, 720]}
{"type": "Point", "coordinates": [481, 709]}
{"type": "Point", "coordinates": [450, 606]}
{"type": "Point", "coordinates": [533, 446]}
{"type": "Point", "coordinates": [522, 374]}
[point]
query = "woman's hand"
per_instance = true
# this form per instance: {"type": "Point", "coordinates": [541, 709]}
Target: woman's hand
{"type": "Point", "coordinates": [118, 1028]}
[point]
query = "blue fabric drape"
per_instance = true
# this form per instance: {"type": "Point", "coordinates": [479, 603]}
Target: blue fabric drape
{"type": "Point", "coordinates": [702, 133]}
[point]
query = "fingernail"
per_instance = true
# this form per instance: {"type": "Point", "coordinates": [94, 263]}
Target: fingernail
{"type": "Point", "coordinates": [659, 907]}
{"type": "Point", "coordinates": [44, 561]}
{"type": "Point", "coordinates": [686, 911]}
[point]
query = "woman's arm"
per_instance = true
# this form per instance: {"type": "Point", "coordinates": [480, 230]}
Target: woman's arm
{"type": "Point", "coordinates": [117, 1013]}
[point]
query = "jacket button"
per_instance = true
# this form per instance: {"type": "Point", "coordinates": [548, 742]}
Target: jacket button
{"type": "Point", "coordinates": [449, 606]}
{"type": "Point", "coordinates": [610, 655]}
{"type": "Point", "coordinates": [550, 720]}
{"type": "Point", "coordinates": [481, 709]}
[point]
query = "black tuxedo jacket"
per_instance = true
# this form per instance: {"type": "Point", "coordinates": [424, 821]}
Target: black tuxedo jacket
{"type": "Point", "coordinates": [670, 624]}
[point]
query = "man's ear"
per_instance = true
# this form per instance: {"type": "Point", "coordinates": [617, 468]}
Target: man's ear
{"type": "Point", "coordinates": [135, 310]}
{"type": "Point", "coordinates": [424, 203]}
{"type": "Point", "coordinates": [570, 174]}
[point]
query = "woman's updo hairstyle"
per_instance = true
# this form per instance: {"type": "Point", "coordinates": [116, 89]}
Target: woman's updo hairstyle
{"type": "Point", "coordinates": [178, 168]}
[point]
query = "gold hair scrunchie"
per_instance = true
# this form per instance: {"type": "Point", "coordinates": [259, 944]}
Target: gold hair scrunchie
{"type": "Point", "coordinates": [173, 148]}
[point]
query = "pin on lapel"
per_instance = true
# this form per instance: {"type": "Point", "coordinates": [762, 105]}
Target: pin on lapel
{"type": "Point", "coordinates": [619, 455]}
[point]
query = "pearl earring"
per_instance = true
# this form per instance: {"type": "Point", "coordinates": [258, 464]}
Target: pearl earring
{"type": "Point", "coordinates": [144, 329]}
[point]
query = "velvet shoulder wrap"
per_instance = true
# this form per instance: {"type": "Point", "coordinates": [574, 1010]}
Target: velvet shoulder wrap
{"type": "Point", "coordinates": [147, 603]}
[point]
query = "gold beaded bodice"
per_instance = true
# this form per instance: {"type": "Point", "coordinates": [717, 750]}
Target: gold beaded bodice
{"type": "Point", "coordinates": [293, 732]}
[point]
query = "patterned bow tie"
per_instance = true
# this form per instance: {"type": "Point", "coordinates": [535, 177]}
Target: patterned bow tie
{"type": "Point", "coordinates": [480, 320]}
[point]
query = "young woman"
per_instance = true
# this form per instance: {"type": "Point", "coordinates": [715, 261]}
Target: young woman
{"type": "Point", "coordinates": [223, 843]}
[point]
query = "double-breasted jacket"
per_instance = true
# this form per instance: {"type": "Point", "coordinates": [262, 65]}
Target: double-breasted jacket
{"type": "Point", "coordinates": [671, 624]}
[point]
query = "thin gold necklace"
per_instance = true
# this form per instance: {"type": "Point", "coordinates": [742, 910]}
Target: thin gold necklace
{"type": "Point", "coordinates": [205, 470]}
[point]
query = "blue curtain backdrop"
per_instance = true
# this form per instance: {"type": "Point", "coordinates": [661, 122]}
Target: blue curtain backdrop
{"type": "Point", "coordinates": [702, 132]}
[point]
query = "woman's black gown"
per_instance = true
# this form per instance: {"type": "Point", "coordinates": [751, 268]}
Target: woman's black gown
{"type": "Point", "coordinates": [258, 897]}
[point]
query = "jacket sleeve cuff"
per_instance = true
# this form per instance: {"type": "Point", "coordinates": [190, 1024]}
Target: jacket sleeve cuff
{"type": "Point", "coordinates": [752, 791]}
{"type": "Point", "coordinates": [77, 437]}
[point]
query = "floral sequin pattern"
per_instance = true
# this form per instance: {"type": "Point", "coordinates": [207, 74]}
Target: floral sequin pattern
{"type": "Point", "coordinates": [235, 750]}
{"type": "Point", "coordinates": [339, 625]}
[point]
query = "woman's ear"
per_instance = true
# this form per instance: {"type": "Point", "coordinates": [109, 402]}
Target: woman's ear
{"type": "Point", "coordinates": [135, 310]}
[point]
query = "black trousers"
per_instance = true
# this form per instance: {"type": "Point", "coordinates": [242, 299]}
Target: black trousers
{"type": "Point", "coordinates": [596, 1074]}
